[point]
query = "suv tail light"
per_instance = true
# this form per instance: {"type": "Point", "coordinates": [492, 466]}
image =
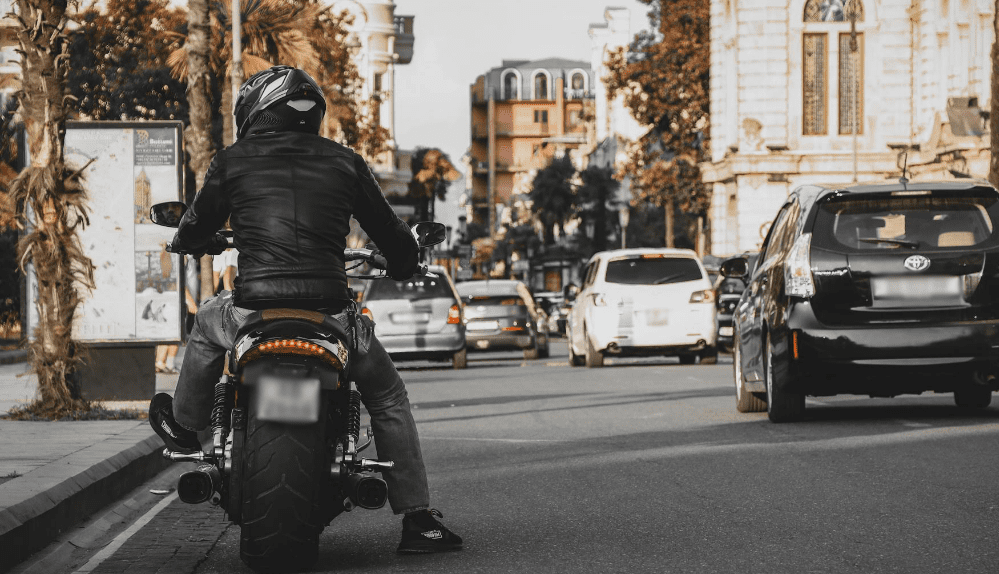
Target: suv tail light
{"type": "Point", "coordinates": [454, 315]}
{"type": "Point", "coordinates": [705, 296]}
{"type": "Point", "coordinates": [798, 281]}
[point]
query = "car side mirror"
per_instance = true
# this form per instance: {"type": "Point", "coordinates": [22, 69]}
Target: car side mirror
{"type": "Point", "coordinates": [167, 214]}
{"type": "Point", "coordinates": [735, 268]}
{"type": "Point", "coordinates": [429, 233]}
{"type": "Point", "coordinates": [570, 292]}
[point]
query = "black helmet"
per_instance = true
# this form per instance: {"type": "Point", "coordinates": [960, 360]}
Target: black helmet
{"type": "Point", "coordinates": [265, 90]}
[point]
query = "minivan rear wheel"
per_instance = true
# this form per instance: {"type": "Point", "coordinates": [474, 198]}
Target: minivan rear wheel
{"type": "Point", "coordinates": [782, 405]}
{"type": "Point", "coordinates": [574, 359]}
{"type": "Point", "coordinates": [460, 359]}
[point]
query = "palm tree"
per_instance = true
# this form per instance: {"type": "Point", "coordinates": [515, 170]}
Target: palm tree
{"type": "Point", "coordinates": [432, 169]}
{"type": "Point", "coordinates": [54, 205]}
{"type": "Point", "coordinates": [198, 135]}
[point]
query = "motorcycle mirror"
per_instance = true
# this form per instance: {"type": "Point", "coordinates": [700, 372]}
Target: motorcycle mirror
{"type": "Point", "coordinates": [429, 233]}
{"type": "Point", "coordinates": [167, 214]}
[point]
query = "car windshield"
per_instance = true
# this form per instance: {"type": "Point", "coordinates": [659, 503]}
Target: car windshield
{"type": "Point", "coordinates": [879, 223]}
{"type": "Point", "coordinates": [652, 270]}
{"type": "Point", "coordinates": [415, 288]}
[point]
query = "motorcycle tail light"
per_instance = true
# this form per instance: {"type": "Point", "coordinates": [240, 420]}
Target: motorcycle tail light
{"type": "Point", "coordinates": [453, 315]}
{"type": "Point", "coordinates": [798, 280]}
{"type": "Point", "coordinates": [705, 296]}
{"type": "Point", "coordinates": [292, 347]}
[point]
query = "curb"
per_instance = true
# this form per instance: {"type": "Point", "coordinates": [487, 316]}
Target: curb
{"type": "Point", "coordinates": [13, 356]}
{"type": "Point", "coordinates": [60, 495]}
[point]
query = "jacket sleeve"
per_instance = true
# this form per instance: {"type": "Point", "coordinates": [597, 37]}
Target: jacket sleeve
{"type": "Point", "coordinates": [380, 222]}
{"type": "Point", "coordinates": [208, 212]}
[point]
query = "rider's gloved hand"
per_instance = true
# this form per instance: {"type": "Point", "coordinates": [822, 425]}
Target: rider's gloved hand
{"type": "Point", "coordinates": [217, 244]}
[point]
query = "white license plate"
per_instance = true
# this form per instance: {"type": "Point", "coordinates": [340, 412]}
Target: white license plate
{"type": "Point", "coordinates": [939, 289]}
{"type": "Point", "coordinates": [288, 400]}
{"type": "Point", "coordinates": [725, 331]}
{"type": "Point", "coordinates": [482, 325]}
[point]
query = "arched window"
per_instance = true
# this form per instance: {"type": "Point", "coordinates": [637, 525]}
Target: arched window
{"type": "Point", "coordinates": [511, 85]}
{"type": "Point", "coordinates": [577, 81]}
{"type": "Point", "coordinates": [541, 86]}
{"type": "Point", "coordinates": [817, 76]}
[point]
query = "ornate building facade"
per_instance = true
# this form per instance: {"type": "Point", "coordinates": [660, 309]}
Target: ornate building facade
{"type": "Point", "coordinates": [523, 113]}
{"type": "Point", "coordinates": [836, 91]}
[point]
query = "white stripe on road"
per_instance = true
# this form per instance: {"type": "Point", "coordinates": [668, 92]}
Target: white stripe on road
{"type": "Point", "coordinates": [115, 544]}
{"type": "Point", "coordinates": [472, 438]}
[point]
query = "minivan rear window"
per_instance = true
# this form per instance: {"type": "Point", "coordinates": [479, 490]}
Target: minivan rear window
{"type": "Point", "coordinates": [910, 222]}
{"type": "Point", "coordinates": [415, 288]}
{"type": "Point", "coordinates": [652, 270]}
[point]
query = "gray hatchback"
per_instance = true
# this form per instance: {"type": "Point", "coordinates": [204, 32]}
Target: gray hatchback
{"type": "Point", "coordinates": [501, 314]}
{"type": "Point", "coordinates": [418, 318]}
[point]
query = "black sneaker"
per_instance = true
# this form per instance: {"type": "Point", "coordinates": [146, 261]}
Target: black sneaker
{"type": "Point", "coordinates": [422, 533]}
{"type": "Point", "coordinates": [176, 437]}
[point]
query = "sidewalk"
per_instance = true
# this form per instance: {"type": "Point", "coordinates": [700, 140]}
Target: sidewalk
{"type": "Point", "coordinates": [53, 475]}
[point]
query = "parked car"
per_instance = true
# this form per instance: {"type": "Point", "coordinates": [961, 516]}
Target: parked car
{"type": "Point", "coordinates": [875, 290]}
{"type": "Point", "coordinates": [728, 290]}
{"type": "Point", "coordinates": [553, 304]}
{"type": "Point", "coordinates": [643, 302]}
{"type": "Point", "coordinates": [418, 318]}
{"type": "Point", "coordinates": [501, 314]}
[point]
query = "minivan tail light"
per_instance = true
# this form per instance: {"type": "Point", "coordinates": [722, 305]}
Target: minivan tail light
{"type": "Point", "coordinates": [798, 281]}
{"type": "Point", "coordinates": [454, 315]}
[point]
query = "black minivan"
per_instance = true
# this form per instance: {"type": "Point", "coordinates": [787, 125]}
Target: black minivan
{"type": "Point", "coordinates": [875, 290]}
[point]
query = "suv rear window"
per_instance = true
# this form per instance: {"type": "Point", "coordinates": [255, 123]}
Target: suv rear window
{"type": "Point", "coordinates": [652, 270]}
{"type": "Point", "coordinates": [494, 300]}
{"type": "Point", "coordinates": [416, 288]}
{"type": "Point", "coordinates": [920, 222]}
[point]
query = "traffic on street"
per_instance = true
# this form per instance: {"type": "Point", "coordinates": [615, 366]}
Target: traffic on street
{"type": "Point", "coordinates": [642, 466]}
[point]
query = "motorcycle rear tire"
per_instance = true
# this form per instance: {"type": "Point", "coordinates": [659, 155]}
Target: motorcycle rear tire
{"type": "Point", "coordinates": [286, 476]}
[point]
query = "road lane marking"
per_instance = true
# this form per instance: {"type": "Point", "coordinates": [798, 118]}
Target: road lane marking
{"type": "Point", "coordinates": [481, 439]}
{"type": "Point", "coordinates": [119, 540]}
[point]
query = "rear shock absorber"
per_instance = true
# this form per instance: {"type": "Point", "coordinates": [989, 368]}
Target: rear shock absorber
{"type": "Point", "coordinates": [353, 417]}
{"type": "Point", "coordinates": [220, 421]}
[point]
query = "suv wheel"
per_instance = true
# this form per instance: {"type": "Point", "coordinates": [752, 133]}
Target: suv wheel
{"type": "Point", "coordinates": [688, 359]}
{"type": "Point", "coordinates": [782, 405]}
{"type": "Point", "coordinates": [745, 401]}
{"type": "Point", "coordinates": [593, 356]}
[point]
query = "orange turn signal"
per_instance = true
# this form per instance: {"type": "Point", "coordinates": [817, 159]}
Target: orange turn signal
{"type": "Point", "coordinates": [367, 313]}
{"type": "Point", "coordinates": [453, 315]}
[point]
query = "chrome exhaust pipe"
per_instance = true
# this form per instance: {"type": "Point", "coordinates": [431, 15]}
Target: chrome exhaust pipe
{"type": "Point", "coordinates": [366, 491]}
{"type": "Point", "coordinates": [197, 486]}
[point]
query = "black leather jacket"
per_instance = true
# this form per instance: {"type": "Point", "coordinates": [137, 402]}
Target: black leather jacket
{"type": "Point", "coordinates": [289, 197]}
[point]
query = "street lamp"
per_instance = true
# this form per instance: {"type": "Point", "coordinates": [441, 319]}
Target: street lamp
{"type": "Point", "coordinates": [851, 9]}
{"type": "Point", "coordinates": [624, 215]}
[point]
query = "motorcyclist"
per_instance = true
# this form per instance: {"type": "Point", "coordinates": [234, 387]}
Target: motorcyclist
{"type": "Point", "coordinates": [289, 194]}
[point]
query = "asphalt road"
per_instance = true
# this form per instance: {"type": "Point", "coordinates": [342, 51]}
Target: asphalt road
{"type": "Point", "coordinates": [645, 466]}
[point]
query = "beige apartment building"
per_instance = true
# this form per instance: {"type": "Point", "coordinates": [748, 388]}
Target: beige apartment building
{"type": "Point", "coordinates": [522, 114]}
{"type": "Point", "coordinates": [792, 101]}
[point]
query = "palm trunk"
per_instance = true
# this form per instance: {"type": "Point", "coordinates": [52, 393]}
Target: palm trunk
{"type": "Point", "coordinates": [54, 205]}
{"type": "Point", "coordinates": [199, 94]}
{"type": "Point", "coordinates": [994, 114]}
{"type": "Point", "coordinates": [668, 216]}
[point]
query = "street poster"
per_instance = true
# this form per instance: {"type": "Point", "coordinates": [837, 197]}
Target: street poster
{"type": "Point", "coordinates": [130, 166]}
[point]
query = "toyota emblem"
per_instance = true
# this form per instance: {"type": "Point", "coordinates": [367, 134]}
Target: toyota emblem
{"type": "Point", "coordinates": [917, 263]}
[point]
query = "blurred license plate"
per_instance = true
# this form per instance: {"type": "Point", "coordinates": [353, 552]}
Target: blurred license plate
{"type": "Point", "coordinates": [410, 317]}
{"type": "Point", "coordinates": [288, 400]}
{"type": "Point", "coordinates": [482, 325]}
{"type": "Point", "coordinates": [935, 290]}
{"type": "Point", "coordinates": [656, 316]}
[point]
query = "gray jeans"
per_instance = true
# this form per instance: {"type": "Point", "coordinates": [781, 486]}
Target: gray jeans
{"type": "Point", "coordinates": [382, 392]}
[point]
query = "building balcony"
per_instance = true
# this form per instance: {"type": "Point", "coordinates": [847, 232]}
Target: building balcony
{"type": "Point", "coordinates": [404, 39]}
{"type": "Point", "coordinates": [571, 94]}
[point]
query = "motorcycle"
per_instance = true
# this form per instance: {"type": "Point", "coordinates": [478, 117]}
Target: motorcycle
{"type": "Point", "coordinates": [286, 425]}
